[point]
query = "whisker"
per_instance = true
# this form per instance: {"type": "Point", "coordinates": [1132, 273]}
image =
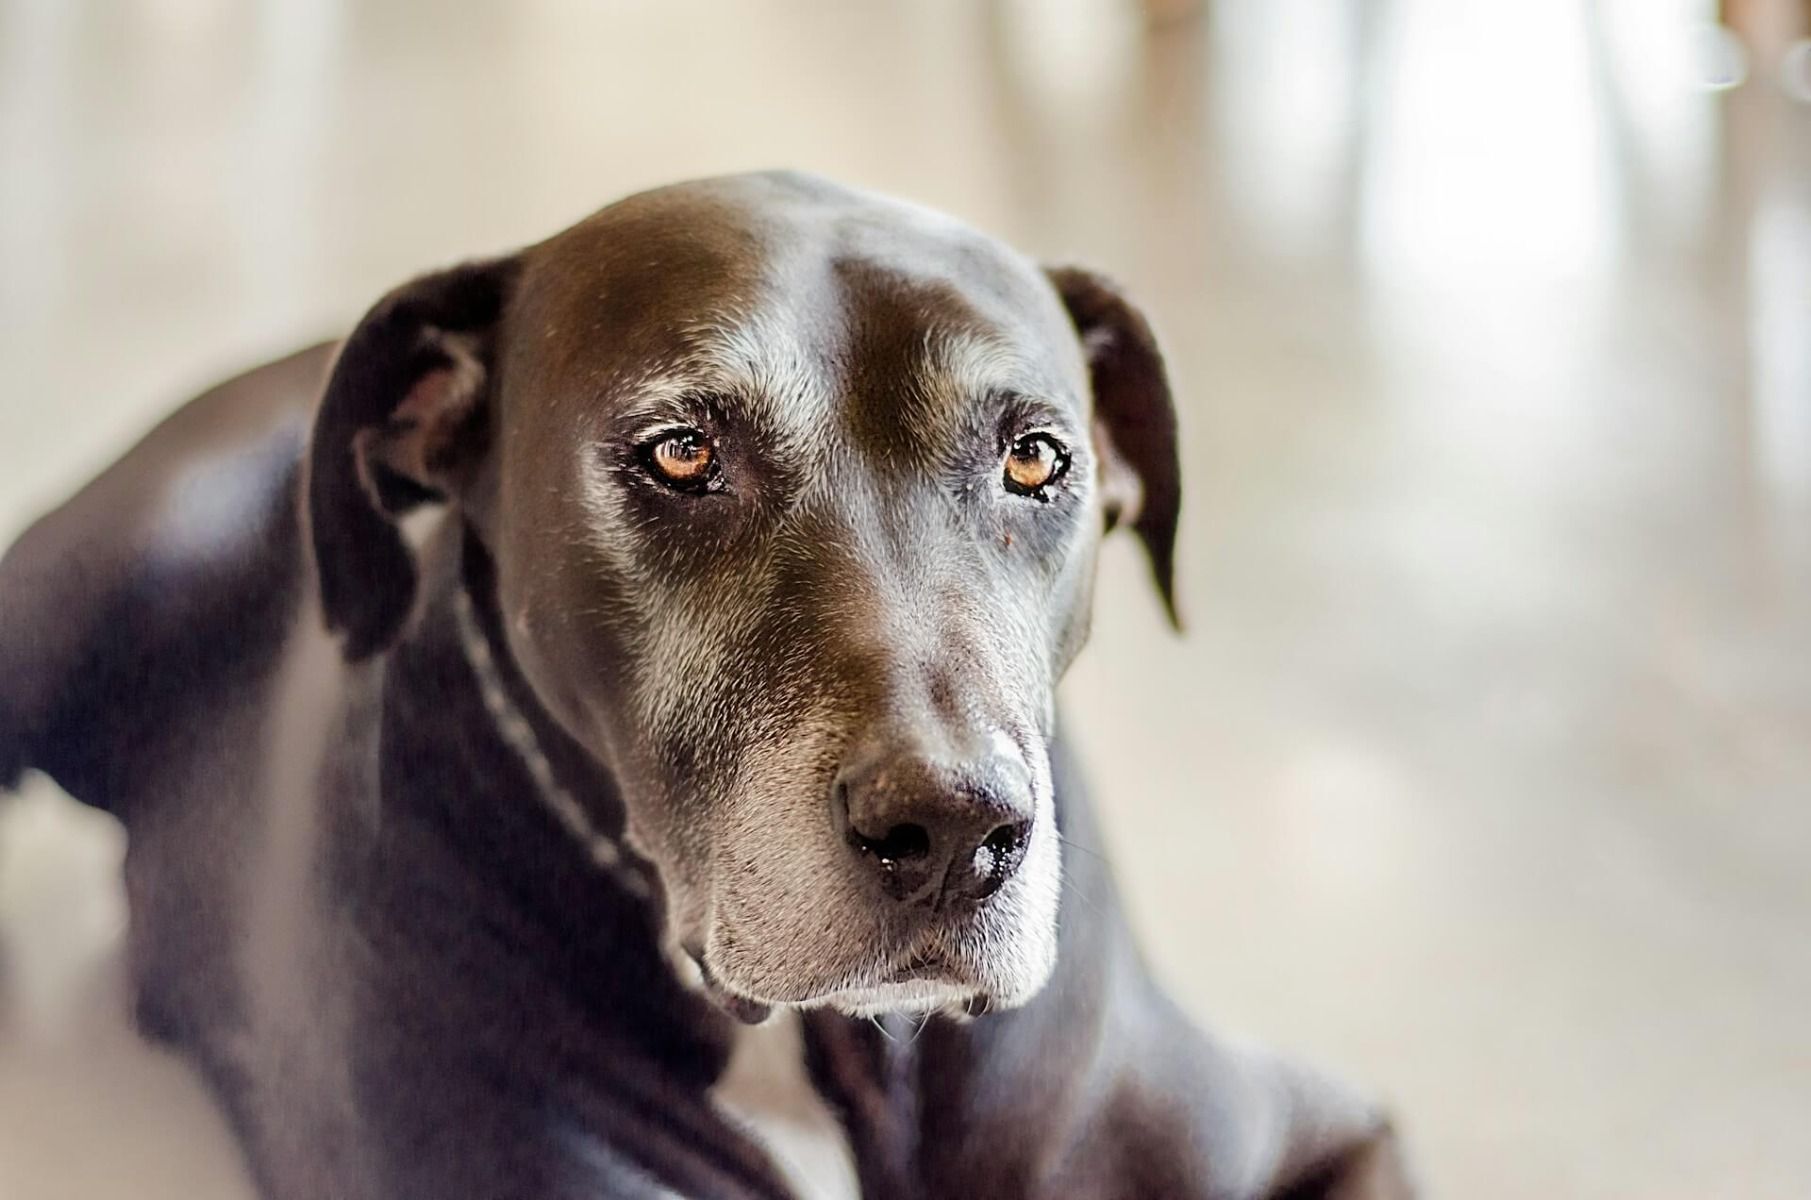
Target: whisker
{"type": "Point", "coordinates": [1082, 897]}
{"type": "Point", "coordinates": [1078, 846]}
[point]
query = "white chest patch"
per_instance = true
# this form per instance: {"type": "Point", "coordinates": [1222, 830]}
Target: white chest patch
{"type": "Point", "coordinates": [767, 1092]}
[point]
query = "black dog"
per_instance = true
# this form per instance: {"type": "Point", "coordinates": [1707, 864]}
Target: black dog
{"type": "Point", "coordinates": [464, 859]}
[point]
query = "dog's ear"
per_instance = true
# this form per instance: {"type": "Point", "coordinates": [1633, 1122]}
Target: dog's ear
{"type": "Point", "coordinates": [404, 420]}
{"type": "Point", "coordinates": [1134, 419]}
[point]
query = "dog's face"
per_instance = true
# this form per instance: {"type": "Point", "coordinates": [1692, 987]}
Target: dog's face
{"type": "Point", "coordinates": [793, 496]}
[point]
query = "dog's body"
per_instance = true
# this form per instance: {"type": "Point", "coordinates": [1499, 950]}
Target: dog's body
{"type": "Point", "coordinates": [398, 892]}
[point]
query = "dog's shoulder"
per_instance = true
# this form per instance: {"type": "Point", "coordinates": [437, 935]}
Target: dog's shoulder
{"type": "Point", "coordinates": [173, 567]}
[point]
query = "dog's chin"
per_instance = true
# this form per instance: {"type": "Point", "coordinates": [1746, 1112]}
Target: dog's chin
{"type": "Point", "coordinates": [918, 987]}
{"type": "Point", "coordinates": [918, 997]}
{"type": "Point", "coordinates": [912, 998]}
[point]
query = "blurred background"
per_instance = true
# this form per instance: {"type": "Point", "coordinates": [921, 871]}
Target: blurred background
{"type": "Point", "coordinates": [1484, 771]}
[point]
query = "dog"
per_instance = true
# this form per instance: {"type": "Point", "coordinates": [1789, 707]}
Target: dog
{"type": "Point", "coordinates": [612, 690]}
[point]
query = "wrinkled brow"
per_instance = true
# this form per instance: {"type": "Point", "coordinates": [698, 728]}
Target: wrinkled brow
{"type": "Point", "coordinates": [959, 369]}
{"type": "Point", "coordinates": [752, 373]}
{"type": "Point", "coordinates": [961, 392]}
{"type": "Point", "coordinates": [937, 394]}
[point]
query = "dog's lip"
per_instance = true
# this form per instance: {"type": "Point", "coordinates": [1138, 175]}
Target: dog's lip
{"type": "Point", "coordinates": [921, 966]}
{"type": "Point", "coordinates": [745, 1009]}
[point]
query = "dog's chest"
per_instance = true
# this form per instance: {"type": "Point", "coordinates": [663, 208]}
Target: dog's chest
{"type": "Point", "coordinates": [767, 1092]}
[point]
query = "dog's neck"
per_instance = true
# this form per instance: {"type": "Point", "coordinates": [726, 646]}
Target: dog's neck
{"type": "Point", "coordinates": [452, 678]}
{"type": "Point", "coordinates": [479, 781]}
{"type": "Point", "coordinates": [588, 809]}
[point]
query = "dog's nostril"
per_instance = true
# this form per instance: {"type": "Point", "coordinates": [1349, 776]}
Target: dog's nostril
{"type": "Point", "coordinates": [997, 857]}
{"type": "Point", "coordinates": [901, 843]}
{"type": "Point", "coordinates": [1004, 840]}
{"type": "Point", "coordinates": [933, 832]}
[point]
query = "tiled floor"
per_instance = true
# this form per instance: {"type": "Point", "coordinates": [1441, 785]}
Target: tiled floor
{"type": "Point", "coordinates": [1485, 769]}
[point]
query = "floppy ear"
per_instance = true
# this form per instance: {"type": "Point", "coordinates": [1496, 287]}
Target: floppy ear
{"type": "Point", "coordinates": [404, 420]}
{"type": "Point", "coordinates": [1134, 420]}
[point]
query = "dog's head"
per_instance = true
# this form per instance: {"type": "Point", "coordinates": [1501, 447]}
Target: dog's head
{"type": "Point", "coordinates": [793, 495]}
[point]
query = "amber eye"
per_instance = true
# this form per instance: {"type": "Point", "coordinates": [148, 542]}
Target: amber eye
{"type": "Point", "coordinates": [682, 458]}
{"type": "Point", "coordinates": [1035, 461]}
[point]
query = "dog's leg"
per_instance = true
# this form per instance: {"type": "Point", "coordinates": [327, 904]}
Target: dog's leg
{"type": "Point", "coordinates": [1099, 1088]}
{"type": "Point", "coordinates": [1373, 1168]}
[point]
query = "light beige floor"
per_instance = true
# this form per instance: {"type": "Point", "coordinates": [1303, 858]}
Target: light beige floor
{"type": "Point", "coordinates": [1484, 771]}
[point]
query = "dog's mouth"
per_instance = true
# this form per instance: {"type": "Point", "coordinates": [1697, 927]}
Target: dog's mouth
{"type": "Point", "coordinates": [804, 943]}
{"type": "Point", "coordinates": [919, 967]}
{"type": "Point", "coordinates": [746, 1009]}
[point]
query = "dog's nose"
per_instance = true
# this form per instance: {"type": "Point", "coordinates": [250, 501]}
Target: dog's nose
{"type": "Point", "coordinates": [935, 831]}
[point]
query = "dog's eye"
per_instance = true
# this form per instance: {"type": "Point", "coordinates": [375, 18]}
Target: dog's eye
{"type": "Point", "coordinates": [1035, 461]}
{"type": "Point", "coordinates": [683, 459]}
